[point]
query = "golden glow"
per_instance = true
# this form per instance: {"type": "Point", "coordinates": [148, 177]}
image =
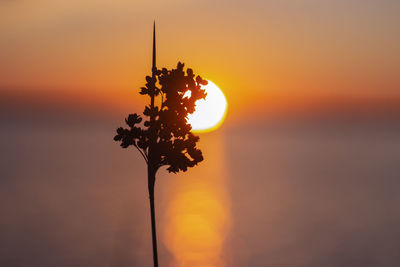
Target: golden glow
{"type": "Point", "coordinates": [210, 112]}
{"type": "Point", "coordinates": [195, 232]}
{"type": "Point", "coordinates": [198, 214]}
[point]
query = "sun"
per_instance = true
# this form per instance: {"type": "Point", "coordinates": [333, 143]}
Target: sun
{"type": "Point", "coordinates": [209, 112]}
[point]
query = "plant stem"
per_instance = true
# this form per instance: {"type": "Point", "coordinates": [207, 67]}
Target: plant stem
{"type": "Point", "coordinates": [151, 182]}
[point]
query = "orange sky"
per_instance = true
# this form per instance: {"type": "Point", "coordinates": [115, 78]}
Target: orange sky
{"type": "Point", "coordinates": [268, 53]}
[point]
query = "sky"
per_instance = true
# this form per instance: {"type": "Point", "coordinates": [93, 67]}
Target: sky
{"type": "Point", "coordinates": [303, 172]}
{"type": "Point", "coordinates": [263, 54]}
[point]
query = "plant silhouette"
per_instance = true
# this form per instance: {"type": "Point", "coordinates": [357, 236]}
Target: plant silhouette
{"type": "Point", "coordinates": [164, 138]}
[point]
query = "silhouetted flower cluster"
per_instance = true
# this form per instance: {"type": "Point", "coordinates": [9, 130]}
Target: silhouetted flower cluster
{"type": "Point", "coordinates": [165, 137]}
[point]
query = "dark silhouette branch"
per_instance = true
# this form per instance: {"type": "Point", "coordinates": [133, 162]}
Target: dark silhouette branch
{"type": "Point", "coordinates": [143, 153]}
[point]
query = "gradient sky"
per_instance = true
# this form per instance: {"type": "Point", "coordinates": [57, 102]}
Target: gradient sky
{"type": "Point", "coordinates": [283, 192]}
{"type": "Point", "coordinates": [263, 52]}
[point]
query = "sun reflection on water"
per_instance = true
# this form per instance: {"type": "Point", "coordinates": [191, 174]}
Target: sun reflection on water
{"type": "Point", "coordinates": [198, 214]}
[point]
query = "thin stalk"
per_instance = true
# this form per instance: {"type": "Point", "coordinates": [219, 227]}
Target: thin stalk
{"type": "Point", "coordinates": [151, 182]}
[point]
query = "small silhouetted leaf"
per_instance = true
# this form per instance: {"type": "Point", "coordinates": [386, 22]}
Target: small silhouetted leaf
{"type": "Point", "coordinates": [144, 91]}
{"type": "Point", "coordinates": [133, 119]}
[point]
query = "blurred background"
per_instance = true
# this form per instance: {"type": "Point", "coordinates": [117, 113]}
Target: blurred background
{"type": "Point", "coordinates": [304, 171]}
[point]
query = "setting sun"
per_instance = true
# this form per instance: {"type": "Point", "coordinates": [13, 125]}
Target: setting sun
{"type": "Point", "coordinates": [210, 112]}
